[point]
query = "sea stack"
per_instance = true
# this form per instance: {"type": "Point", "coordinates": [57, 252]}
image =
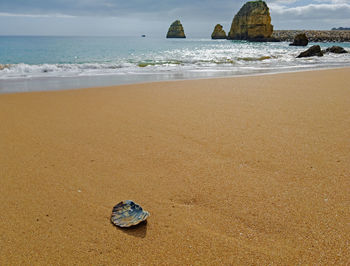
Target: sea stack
{"type": "Point", "coordinates": [218, 33]}
{"type": "Point", "coordinates": [176, 30]}
{"type": "Point", "coordinates": [252, 23]}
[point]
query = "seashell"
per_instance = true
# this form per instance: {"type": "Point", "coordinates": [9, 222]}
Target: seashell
{"type": "Point", "coordinates": [127, 213]}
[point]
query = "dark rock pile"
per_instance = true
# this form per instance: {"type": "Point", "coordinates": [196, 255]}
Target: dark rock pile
{"type": "Point", "coordinates": [313, 35]}
{"type": "Point", "coordinates": [316, 51]}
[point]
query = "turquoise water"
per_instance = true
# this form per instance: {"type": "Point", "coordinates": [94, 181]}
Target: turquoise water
{"type": "Point", "coordinates": [77, 50]}
{"type": "Point", "coordinates": [44, 63]}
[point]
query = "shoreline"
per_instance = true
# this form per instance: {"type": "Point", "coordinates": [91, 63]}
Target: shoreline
{"type": "Point", "coordinates": [164, 60]}
{"type": "Point", "coordinates": [49, 79]}
{"type": "Point", "coordinates": [242, 170]}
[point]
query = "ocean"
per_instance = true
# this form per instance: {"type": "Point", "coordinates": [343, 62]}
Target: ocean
{"type": "Point", "coordinates": [55, 63]}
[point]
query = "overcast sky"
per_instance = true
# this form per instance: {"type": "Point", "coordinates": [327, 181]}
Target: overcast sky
{"type": "Point", "coordinates": [153, 17]}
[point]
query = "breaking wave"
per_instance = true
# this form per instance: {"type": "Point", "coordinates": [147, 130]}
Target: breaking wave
{"type": "Point", "coordinates": [196, 56]}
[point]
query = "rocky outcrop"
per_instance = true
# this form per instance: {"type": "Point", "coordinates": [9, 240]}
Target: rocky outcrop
{"type": "Point", "coordinates": [313, 35]}
{"type": "Point", "coordinates": [218, 33]}
{"type": "Point", "coordinates": [176, 30]}
{"type": "Point", "coordinates": [336, 50]}
{"type": "Point", "coordinates": [300, 40]}
{"type": "Point", "coordinates": [312, 51]}
{"type": "Point", "coordinates": [252, 23]}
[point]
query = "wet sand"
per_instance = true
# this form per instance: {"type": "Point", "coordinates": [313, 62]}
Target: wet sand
{"type": "Point", "coordinates": [245, 170]}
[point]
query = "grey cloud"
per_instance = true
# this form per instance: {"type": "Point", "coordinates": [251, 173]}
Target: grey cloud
{"type": "Point", "coordinates": [119, 8]}
{"type": "Point", "coordinates": [313, 11]}
{"type": "Point", "coordinates": [113, 17]}
{"type": "Point", "coordinates": [321, 16]}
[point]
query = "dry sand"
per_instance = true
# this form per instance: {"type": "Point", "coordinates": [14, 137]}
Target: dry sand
{"type": "Point", "coordinates": [246, 170]}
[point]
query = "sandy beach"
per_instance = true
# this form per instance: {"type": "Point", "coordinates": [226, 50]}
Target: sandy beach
{"type": "Point", "coordinates": [246, 170]}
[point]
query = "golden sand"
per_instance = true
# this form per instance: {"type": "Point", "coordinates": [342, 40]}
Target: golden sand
{"type": "Point", "coordinates": [245, 170]}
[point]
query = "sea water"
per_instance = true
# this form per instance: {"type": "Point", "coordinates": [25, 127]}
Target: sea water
{"type": "Point", "coordinates": [54, 63]}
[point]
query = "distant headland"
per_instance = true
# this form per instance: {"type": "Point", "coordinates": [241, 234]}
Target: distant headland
{"type": "Point", "coordinates": [340, 28]}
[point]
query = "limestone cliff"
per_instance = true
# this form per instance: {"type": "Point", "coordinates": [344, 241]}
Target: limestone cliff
{"type": "Point", "coordinates": [218, 33]}
{"type": "Point", "coordinates": [176, 30]}
{"type": "Point", "coordinates": [252, 22]}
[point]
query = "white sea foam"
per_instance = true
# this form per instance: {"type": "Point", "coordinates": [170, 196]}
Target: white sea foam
{"type": "Point", "coordinates": [158, 66]}
{"type": "Point", "coordinates": [170, 60]}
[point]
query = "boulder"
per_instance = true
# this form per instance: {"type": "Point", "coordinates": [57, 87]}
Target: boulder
{"type": "Point", "coordinates": [300, 40]}
{"type": "Point", "coordinates": [312, 51]}
{"type": "Point", "coordinates": [336, 50]}
{"type": "Point", "coordinates": [176, 30]}
{"type": "Point", "coordinates": [218, 33]}
{"type": "Point", "coordinates": [252, 23]}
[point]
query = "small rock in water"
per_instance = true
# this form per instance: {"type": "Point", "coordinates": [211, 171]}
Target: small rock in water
{"type": "Point", "coordinates": [336, 50]}
{"type": "Point", "coordinates": [312, 51]}
{"type": "Point", "coordinates": [127, 213]}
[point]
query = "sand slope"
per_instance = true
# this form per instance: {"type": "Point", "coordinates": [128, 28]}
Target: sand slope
{"type": "Point", "coordinates": [248, 170]}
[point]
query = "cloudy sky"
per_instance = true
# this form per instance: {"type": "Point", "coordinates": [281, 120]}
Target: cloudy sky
{"type": "Point", "coordinates": [153, 17]}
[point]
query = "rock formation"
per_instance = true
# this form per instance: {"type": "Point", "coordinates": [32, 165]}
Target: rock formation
{"type": "Point", "coordinates": [313, 35]}
{"type": "Point", "coordinates": [218, 33]}
{"type": "Point", "coordinates": [252, 23]}
{"type": "Point", "coordinates": [336, 50]}
{"type": "Point", "coordinates": [176, 30]}
{"type": "Point", "coordinates": [300, 40]}
{"type": "Point", "coordinates": [312, 51]}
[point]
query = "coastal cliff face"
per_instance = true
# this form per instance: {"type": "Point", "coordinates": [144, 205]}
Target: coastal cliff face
{"type": "Point", "coordinates": [218, 33]}
{"type": "Point", "coordinates": [252, 22]}
{"type": "Point", "coordinates": [176, 30]}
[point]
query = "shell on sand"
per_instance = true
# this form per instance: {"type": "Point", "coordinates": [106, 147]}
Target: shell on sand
{"type": "Point", "coordinates": [127, 213]}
